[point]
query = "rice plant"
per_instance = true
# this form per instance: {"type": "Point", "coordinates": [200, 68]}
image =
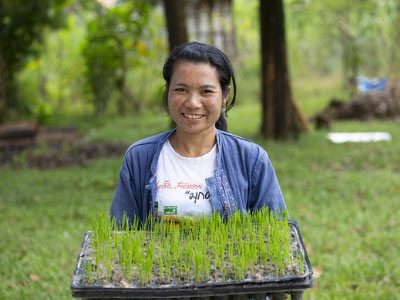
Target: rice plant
{"type": "Point", "coordinates": [199, 250]}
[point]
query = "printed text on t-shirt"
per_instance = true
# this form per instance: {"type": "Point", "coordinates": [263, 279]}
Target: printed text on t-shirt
{"type": "Point", "coordinates": [166, 184]}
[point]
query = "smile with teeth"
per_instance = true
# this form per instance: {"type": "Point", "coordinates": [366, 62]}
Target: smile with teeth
{"type": "Point", "coordinates": [192, 116]}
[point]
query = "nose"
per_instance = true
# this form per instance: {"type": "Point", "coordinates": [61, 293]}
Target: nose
{"type": "Point", "coordinates": [193, 101]}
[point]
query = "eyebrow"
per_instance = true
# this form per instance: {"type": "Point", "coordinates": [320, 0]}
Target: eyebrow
{"type": "Point", "coordinates": [206, 86]}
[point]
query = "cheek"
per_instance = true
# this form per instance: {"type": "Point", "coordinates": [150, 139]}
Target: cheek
{"type": "Point", "coordinates": [170, 100]}
{"type": "Point", "coordinates": [173, 103]}
{"type": "Point", "coordinates": [215, 104]}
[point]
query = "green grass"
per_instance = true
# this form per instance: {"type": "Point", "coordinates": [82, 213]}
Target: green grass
{"type": "Point", "coordinates": [44, 214]}
{"type": "Point", "coordinates": [313, 93]}
{"type": "Point", "coordinates": [345, 198]}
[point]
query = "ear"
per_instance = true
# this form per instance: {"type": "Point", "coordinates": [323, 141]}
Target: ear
{"type": "Point", "coordinates": [165, 99]}
{"type": "Point", "coordinates": [225, 95]}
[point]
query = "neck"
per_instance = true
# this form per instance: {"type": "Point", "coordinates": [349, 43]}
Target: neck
{"type": "Point", "coordinates": [192, 145]}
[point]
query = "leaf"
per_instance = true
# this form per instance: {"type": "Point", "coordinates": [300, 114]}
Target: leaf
{"type": "Point", "coordinates": [141, 48]}
{"type": "Point", "coordinates": [34, 277]}
{"type": "Point", "coordinates": [317, 272]}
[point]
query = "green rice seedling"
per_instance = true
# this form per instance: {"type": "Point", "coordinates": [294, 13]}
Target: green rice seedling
{"type": "Point", "coordinates": [101, 229]}
{"type": "Point", "coordinates": [284, 231]}
{"type": "Point", "coordinates": [203, 249]}
{"type": "Point", "coordinates": [197, 266]}
{"type": "Point", "coordinates": [176, 250]}
{"type": "Point", "coordinates": [168, 263]}
{"type": "Point", "coordinates": [236, 268]}
{"type": "Point", "coordinates": [230, 256]}
{"type": "Point", "coordinates": [98, 257]}
{"type": "Point", "coordinates": [147, 264]}
{"type": "Point", "coordinates": [160, 261]}
{"type": "Point", "coordinates": [88, 268]}
{"type": "Point", "coordinates": [178, 267]}
{"type": "Point", "coordinates": [125, 253]}
{"type": "Point", "coordinates": [298, 263]}
{"type": "Point", "coordinates": [239, 247]}
{"type": "Point", "coordinates": [188, 259]}
{"type": "Point", "coordinates": [221, 249]}
{"type": "Point", "coordinates": [278, 243]}
{"type": "Point", "coordinates": [138, 239]}
{"type": "Point", "coordinates": [273, 243]}
{"type": "Point", "coordinates": [262, 250]}
{"type": "Point", "coordinates": [243, 262]}
{"type": "Point", "coordinates": [249, 258]}
{"type": "Point", "coordinates": [252, 245]}
{"type": "Point", "coordinates": [206, 267]}
{"type": "Point", "coordinates": [108, 259]}
{"type": "Point", "coordinates": [125, 224]}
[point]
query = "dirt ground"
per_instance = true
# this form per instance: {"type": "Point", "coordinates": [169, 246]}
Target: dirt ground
{"type": "Point", "coordinates": [48, 148]}
{"type": "Point", "coordinates": [28, 144]}
{"type": "Point", "coordinates": [365, 106]}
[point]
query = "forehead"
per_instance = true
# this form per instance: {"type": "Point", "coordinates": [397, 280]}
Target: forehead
{"type": "Point", "coordinates": [189, 71]}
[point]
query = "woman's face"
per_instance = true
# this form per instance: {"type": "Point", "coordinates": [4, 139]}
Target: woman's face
{"type": "Point", "coordinates": [195, 97]}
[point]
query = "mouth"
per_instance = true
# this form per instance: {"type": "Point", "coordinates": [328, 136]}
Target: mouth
{"type": "Point", "coordinates": [192, 116]}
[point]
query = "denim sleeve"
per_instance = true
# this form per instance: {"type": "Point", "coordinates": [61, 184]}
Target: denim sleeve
{"type": "Point", "coordinates": [265, 189]}
{"type": "Point", "coordinates": [125, 200]}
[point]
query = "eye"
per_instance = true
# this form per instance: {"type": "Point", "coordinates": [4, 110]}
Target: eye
{"type": "Point", "coordinates": [207, 92]}
{"type": "Point", "coordinates": [179, 89]}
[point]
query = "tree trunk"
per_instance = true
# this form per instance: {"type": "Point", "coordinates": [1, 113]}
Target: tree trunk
{"type": "Point", "coordinates": [3, 90]}
{"type": "Point", "coordinates": [125, 96]}
{"type": "Point", "coordinates": [281, 117]}
{"type": "Point", "coordinates": [210, 16]}
{"type": "Point", "coordinates": [176, 22]}
{"type": "Point", "coordinates": [175, 15]}
{"type": "Point", "coordinates": [231, 47]}
{"type": "Point", "coordinates": [121, 100]}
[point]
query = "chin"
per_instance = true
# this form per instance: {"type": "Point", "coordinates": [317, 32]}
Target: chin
{"type": "Point", "coordinates": [195, 129]}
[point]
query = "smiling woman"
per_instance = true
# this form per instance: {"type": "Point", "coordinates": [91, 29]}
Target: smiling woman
{"type": "Point", "coordinates": [197, 168]}
{"type": "Point", "coordinates": [195, 101]}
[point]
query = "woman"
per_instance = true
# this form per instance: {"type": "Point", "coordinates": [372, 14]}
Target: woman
{"type": "Point", "coordinates": [197, 167]}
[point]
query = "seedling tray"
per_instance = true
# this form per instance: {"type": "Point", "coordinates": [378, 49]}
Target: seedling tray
{"type": "Point", "coordinates": [269, 284]}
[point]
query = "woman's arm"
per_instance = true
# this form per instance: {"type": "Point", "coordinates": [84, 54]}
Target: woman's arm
{"type": "Point", "coordinates": [125, 200]}
{"type": "Point", "coordinates": [265, 189]}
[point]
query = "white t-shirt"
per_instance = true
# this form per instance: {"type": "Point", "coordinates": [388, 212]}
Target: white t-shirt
{"type": "Point", "coordinates": [181, 185]}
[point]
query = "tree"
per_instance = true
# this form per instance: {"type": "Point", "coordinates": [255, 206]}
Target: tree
{"type": "Point", "coordinates": [21, 25]}
{"type": "Point", "coordinates": [281, 117]}
{"type": "Point", "coordinates": [212, 21]}
{"type": "Point", "coordinates": [175, 15]}
{"type": "Point", "coordinates": [112, 37]}
{"type": "Point", "coordinates": [353, 29]}
{"type": "Point", "coordinates": [360, 37]}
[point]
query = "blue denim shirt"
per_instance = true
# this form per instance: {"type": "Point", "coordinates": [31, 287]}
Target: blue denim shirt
{"type": "Point", "coordinates": [244, 178]}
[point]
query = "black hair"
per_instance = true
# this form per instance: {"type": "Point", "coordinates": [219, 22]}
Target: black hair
{"type": "Point", "coordinates": [202, 53]}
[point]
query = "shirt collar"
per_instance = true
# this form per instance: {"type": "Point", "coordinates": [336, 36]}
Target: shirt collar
{"type": "Point", "coordinates": [168, 134]}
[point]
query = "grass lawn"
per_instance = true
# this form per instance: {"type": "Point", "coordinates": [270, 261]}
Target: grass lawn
{"type": "Point", "coordinates": [345, 197]}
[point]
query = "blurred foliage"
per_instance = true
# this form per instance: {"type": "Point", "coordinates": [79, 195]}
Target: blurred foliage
{"type": "Point", "coordinates": [110, 58]}
{"type": "Point", "coordinates": [325, 39]}
{"type": "Point", "coordinates": [54, 79]}
{"type": "Point", "coordinates": [59, 76]}
{"type": "Point", "coordinates": [113, 45]}
{"type": "Point", "coordinates": [358, 36]}
{"type": "Point", "coordinates": [22, 24]}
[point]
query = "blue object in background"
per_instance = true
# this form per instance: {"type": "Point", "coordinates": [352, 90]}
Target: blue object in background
{"type": "Point", "coordinates": [365, 84]}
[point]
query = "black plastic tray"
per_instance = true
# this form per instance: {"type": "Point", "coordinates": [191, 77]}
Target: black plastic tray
{"type": "Point", "coordinates": [281, 284]}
